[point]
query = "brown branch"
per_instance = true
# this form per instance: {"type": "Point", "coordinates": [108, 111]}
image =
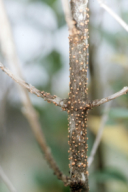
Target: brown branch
{"type": "Point", "coordinates": [6, 180]}
{"type": "Point", "coordinates": [9, 52]}
{"type": "Point", "coordinates": [31, 116]}
{"type": "Point", "coordinates": [98, 102]}
{"type": "Point", "coordinates": [45, 149]}
{"type": "Point", "coordinates": [78, 43]}
{"type": "Point", "coordinates": [46, 96]}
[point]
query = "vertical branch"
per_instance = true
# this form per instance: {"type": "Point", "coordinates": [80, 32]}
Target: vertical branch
{"type": "Point", "coordinates": [78, 42]}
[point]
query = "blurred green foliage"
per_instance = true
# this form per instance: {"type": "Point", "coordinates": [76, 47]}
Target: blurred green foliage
{"type": "Point", "coordinates": [52, 62]}
{"type": "Point", "coordinates": [109, 174]}
{"type": "Point", "coordinates": [56, 9]}
{"type": "Point", "coordinates": [119, 113]}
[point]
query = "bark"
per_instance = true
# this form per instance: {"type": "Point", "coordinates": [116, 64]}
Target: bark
{"type": "Point", "coordinates": [77, 109]}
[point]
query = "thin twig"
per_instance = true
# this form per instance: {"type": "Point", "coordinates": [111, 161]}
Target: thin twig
{"type": "Point", "coordinates": [46, 96]}
{"type": "Point", "coordinates": [98, 102]}
{"type": "Point", "coordinates": [45, 149]}
{"type": "Point", "coordinates": [67, 13]}
{"type": "Point", "coordinates": [99, 134]}
{"type": "Point", "coordinates": [6, 180]}
{"type": "Point", "coordinates": [114, 15]}
{"type": "Point", "coordinates": [9, 52]}
{"type": "Point", "coordinates": [68, 17]}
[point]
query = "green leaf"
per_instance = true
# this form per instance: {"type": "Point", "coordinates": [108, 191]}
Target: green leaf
{"type": "Point", "coordinates": [111, 122]}
{"type": "Point", "coordinates": [60, 20]}
{"type": "Point", "coordinates": [48, 2]}
{"type": "Point", "coordinates": [59, 14]}
{"type": "Point", "coordinates": [119, 113]}
{"type": "Point", "coordinates": [109, 174]}
{"type": "Point", "coordinates": [52, 62]}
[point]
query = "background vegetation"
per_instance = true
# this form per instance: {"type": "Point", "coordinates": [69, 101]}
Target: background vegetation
{"type": "Point", "coordinates": [41, 37]}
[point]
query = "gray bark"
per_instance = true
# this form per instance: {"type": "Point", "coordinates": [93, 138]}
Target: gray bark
{"type": "Point", "coordinates": [78, 41]}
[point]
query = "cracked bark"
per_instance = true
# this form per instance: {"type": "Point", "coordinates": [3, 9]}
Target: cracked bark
{"type": "Point", "coordinates": [77, 109]}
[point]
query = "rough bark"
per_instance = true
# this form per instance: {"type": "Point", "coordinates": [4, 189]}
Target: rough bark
{"type": "Point", "coordinates": [77, 108]}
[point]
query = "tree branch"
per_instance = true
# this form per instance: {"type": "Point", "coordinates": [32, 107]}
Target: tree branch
{"type": "Point", "coordinates": [46, 96]}
{"type": "Point", "coordinates": [78, 43]}
{"type": "Point", "coordinates": [67, 14]}
{"type": "Point", "coordinates": [9, 52]}
{"type": "Point", "coordinates": [45, 149]}
{"type": "Point", "coordinates": [98, 102]}
{"type": "Point", "coordinates": [99, 134]}
{"type": "Point", "coordinates": [114, 15]}
{"type": "Point", "coordinates": [32, 118]}
{"type": "Point", "coordinates": [6, 180]}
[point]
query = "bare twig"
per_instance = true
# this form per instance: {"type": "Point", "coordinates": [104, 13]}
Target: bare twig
{"type": "Point", "coordinates": [114, 15]}
{"type": "Point", "coordinates": [67, 13]}
{"type": "Point", "coordinates": [99, 134]}
{"type": "Point", "coordinates": [6, 180]}
{"type": "Point", "coordinates": [9, 52]}
{"type": "Point", "coordinates": [45, 149]}
{"type": "Point", "coordinates": [98, 102]}
{"type": "Point", "coordinates": [8, 48]}
{"type": "Point", "coordinates": [68, 17]}
{"type": "Point", "coordinates": [46, 96]}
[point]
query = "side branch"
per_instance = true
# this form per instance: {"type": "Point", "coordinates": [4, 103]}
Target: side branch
{"type": "Point", "coordinates": [68, 17]}
{"type": "Point", "coordinates": [46, 96]}
{"type": "Point", "coordinates": [114, 15]}
{"type": "Point", "coordinates": [98, 102]}
{"type": "Point", "coordinates": [67, 13]}
{"type": "Point", "coordinates": [37, 132]}
{"type": "Point", "coordinates": [45, 149]}
{"type": "Point", "coordinates": [9, 51]}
